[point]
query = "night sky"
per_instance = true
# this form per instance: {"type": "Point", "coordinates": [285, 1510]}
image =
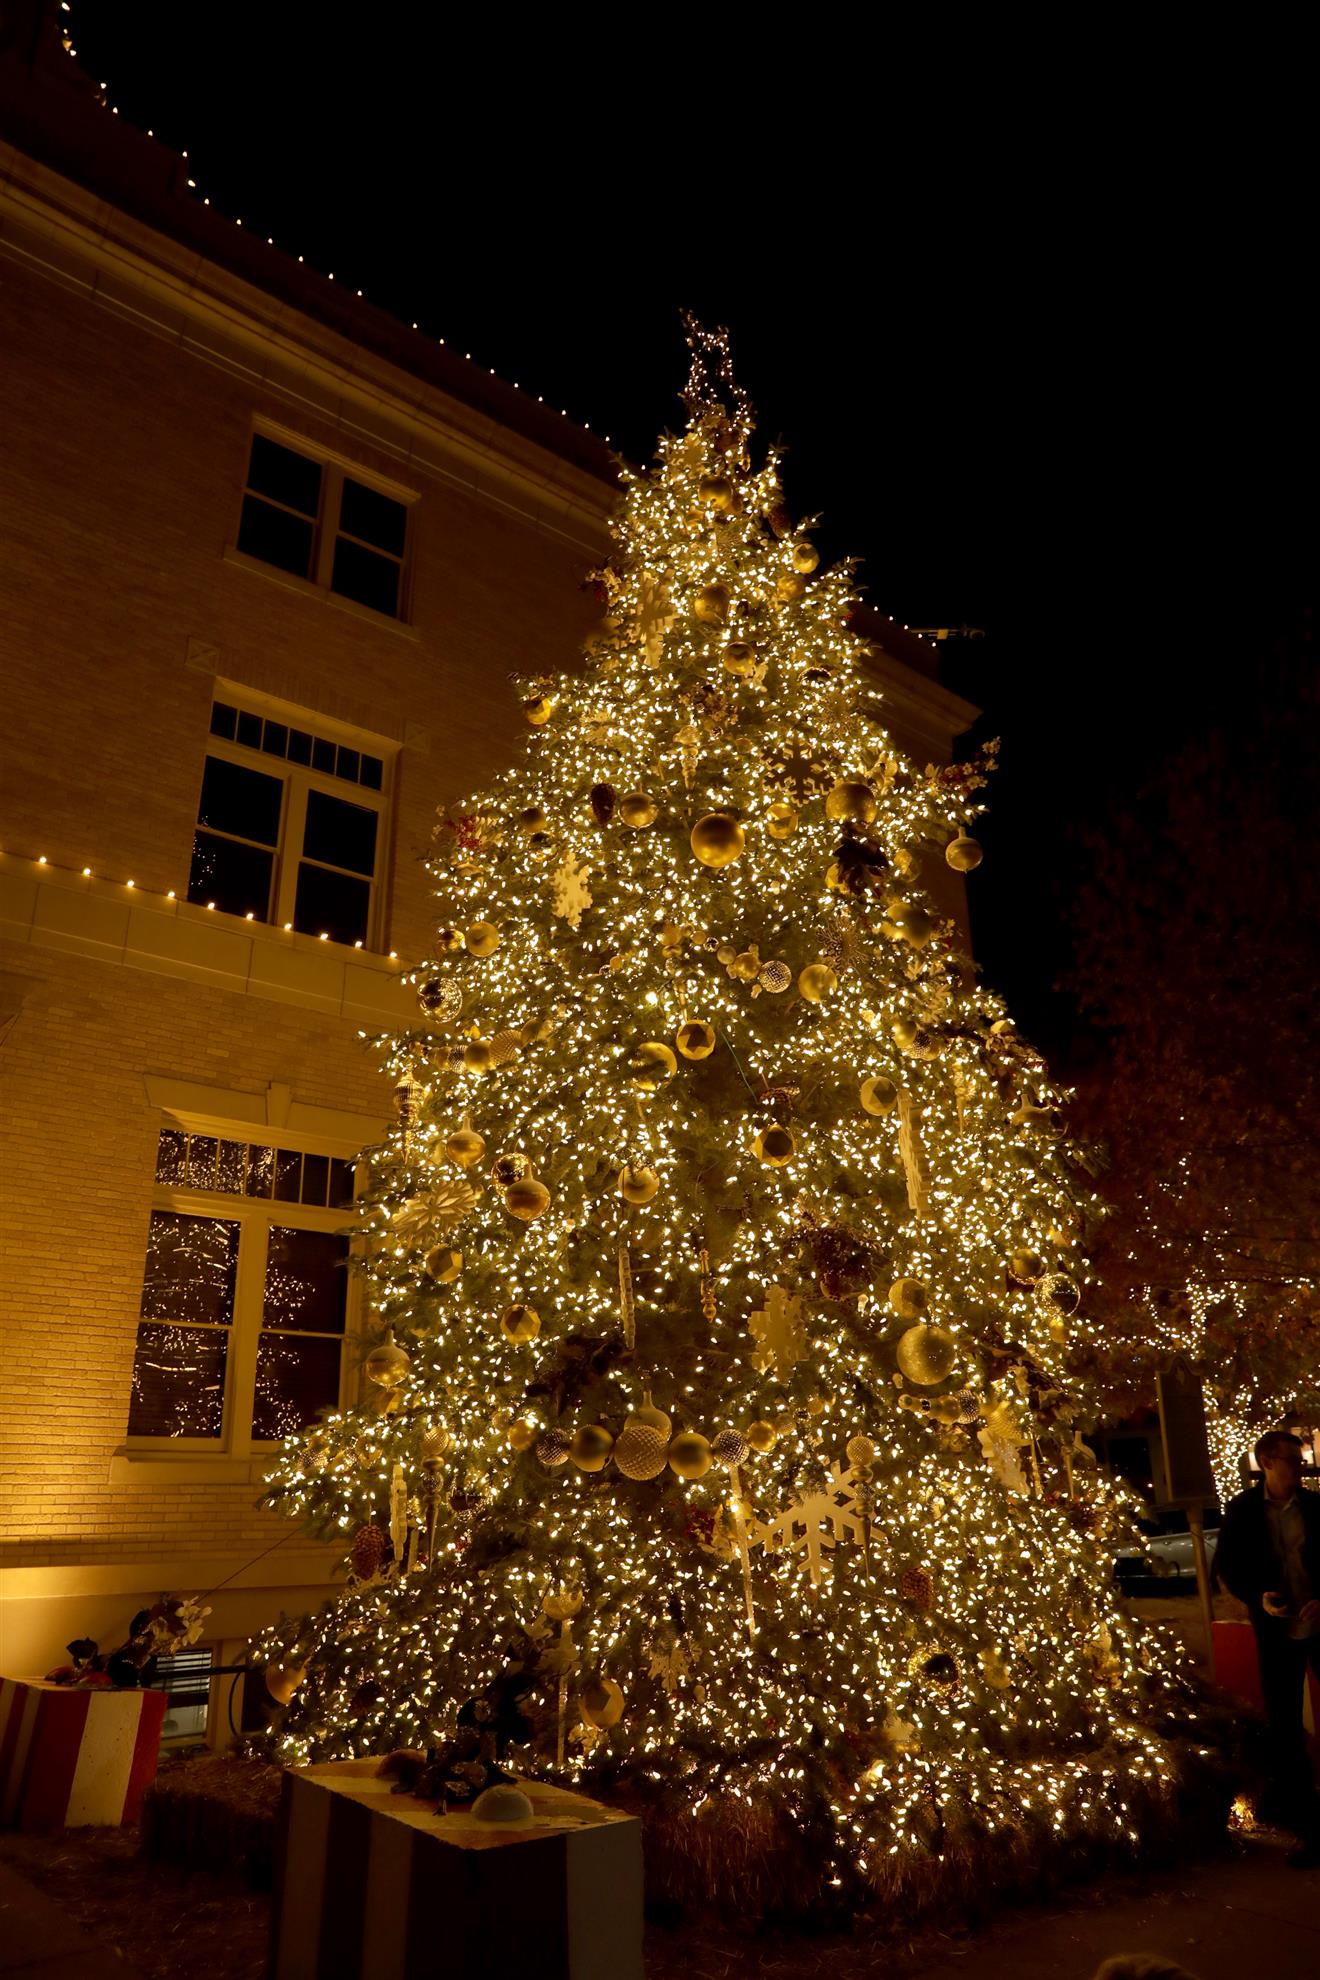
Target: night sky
{"type": "Point", "coordinates": [1029, 316]}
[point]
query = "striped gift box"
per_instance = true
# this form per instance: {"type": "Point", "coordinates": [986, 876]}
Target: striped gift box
{"type": "Point", "coordinates": [71, 1758]}
{"type": "Point", "coordinates": [373, 1885]}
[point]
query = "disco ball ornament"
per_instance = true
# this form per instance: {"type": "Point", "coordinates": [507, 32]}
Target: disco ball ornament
{"type": "Point", "coordinates": [729, 1448]}
{"type": "Point", "coordinates": [553, 1447]}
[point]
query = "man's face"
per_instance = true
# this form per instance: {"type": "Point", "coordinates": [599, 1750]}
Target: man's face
{"type": "Point", "coordinates": [1283, 1471]}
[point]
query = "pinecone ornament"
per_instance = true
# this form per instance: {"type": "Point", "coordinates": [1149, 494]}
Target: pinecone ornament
{"type": "Point", "coordinates": [368, 1550]}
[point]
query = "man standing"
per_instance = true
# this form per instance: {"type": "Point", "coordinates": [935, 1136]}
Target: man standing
{"type": "Point", "coordinates": [1269, 1557]}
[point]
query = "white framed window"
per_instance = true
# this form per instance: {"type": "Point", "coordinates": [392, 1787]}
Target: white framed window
{"type": "Point", "coordinates": [292, 822]}
{"type": "Point", "coordinates": [247, 1299]}
{"type": "Point", "coordinates": [326, 522]}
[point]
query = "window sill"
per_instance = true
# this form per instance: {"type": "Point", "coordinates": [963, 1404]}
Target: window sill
{"type": "Point", "coordinates": [307, 589]}
{"type": "Point", "coordinates": [143, 1467]}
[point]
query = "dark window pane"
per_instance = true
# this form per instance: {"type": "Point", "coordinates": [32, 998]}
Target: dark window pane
{"type": "Point", "coordinates": [372, 773]}
{"type": "Point", "coordinates": [171, 1149]}
{"type": "Point", "coordinates": [261, 1170]}
{"type": "Point", "coordinates": [346, 764]}
{"type": "Point", "coordinates": [340, 834]}
{"type": "Point", "coordinates": [323, 755]}
{"type": "Point", "coordinates": [341, 1183]}
{"type": "Point", "coordinates": [375, 518]}
{"type": "Point", "coordinates": [315, 1178]}
{"type": "Point", "coordinates": [178, 1382]}
{"type": "Point", "coordinates": [223, 720]}
{"type": "Point", "coordinates": [201, 1162]}
{"type": "Point", "coordinates": [296, 1377]}
{"type": "Point", "coordinates": [249, 730]}
{"type": "Point", "coordinates": [306, 1281]}
{"type": "Point", "coordinates": [300, 746]}
{"type": "Point", "coordinates": [275, 739]}
{"type": "Point", "coordinates": [288, 1175]}
{"type": "Point", "coordinates": [284, 475]}
{"type": "Point", "coordinates": [235, 877]}
{"type": "Point", "coordinates": [191, 1262]}
{"type": "Point", "coordinates": [275, 536]}
{"type": "Point", "coordinates": [331, 904]}
{"type": "Point", "coordinates": [229, 1176]}
{"type": "Point", "coordinates": [244, 802]}
{"type": "Point", "coordinates": [362, 574]}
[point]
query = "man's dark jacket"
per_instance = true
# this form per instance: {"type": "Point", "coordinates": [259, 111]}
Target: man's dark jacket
{"type": "Point", "coordinates": [1245, 1560]}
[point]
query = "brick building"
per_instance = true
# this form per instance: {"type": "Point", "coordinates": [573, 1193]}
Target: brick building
{"type": "Point", "coordinates": [270, 560]}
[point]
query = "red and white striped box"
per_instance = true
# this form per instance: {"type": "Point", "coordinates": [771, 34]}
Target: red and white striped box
{"type": "Point", "coordinates": [72, 1758]}
{"type": "Point", "coordinates": [373, 1885]}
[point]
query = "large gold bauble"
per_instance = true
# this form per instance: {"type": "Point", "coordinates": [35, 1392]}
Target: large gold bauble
{"type": "Point", "coordinates": [716, 491]}
{"type": "Point", "coordinates": [434, 1442]}
{"type": "Point", "coordinates": [739, 658]}
{"type": "Point", "coordinates": [520, 1323]}
{"type": "Point", "coordinates": [531, 819]}
{"type": "Point", "coordinates": [696, 1039]}
{"type": "Point", "coordinates": [816, 981]}
{"type": "Point", "coordinates": [908, 1298]}
{"type": "Point", "coordinates": [527, 1200]}
{"type": "Point", "coordinates": [387, 1365]}
{"type": "Point", "coordinates": [444, 1264]}
{"type": "Point", "coordinates": [591, 1447]}
{"type": "Point", "coordinates": [917, 926]}
{"type": "Point", "coordinates": [926, 1354]}
{"type": "Point", "coordinates": [717, 839]}
{"type": "Point", "coordinates": [762, 1436]}
{"type": "Point", "coordinates": [964, 855]}
{"type": "Point", "coordinates": [282, 1680]}
{"type": "Point", "coordinates": [602, 1703]}
{"type": "Point", "coordinates": [774, 976]}
{"type": "Point", "coordinates": [860, 1452]}
{"type": "Point", "coordinates": [477, 1055]}
{"type": "Point", "coordinates": [482, 938]}
{"type": "Point", "coordinates": [539, 710]}
{"type": "Point", "coordinates": [465, 1146]}
{"type": "Point", "coordinates": [853, 801]}
{"type": "Point", "coordinates": [689, 1455]}
{"type": "Point", "coordinates": [520, 1435]}
{"type": "Point", "coordinates": [642, 1451]}
{"type": "Point", "coordinates": [790, 587]}
{"type": "Point", "coordinates": [1027, 1267]}
{"type": "Point", "coordinates": [781, 821]}
{"type": "Point", "coordinates": [805, 558]}
{"type": "Point", "coordinates": [879, 1094]}
{"type": "Point", "coordinates": [505, 1047]}
{"type": "Point", "coordinates": [451, 940]}
{"type": "Point", "coordinates": [711, 604]}
{"type": "Point", "coordinates": [510, 1168]}
{"type": "Point", "coordinates": [652, 1065]}
{"type": "Point", "coordinates": [638, 809]}
{"type": "Point", "coordinates": [637, 1185]}
{"type": "Point", "coordinates": [774, 1146]}
{"type": "Point", "coordinates": [653, 1418]}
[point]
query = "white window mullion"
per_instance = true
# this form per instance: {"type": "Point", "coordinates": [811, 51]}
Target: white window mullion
{"type": "Point", "coordinates": [291, 844]}
{"type": "Point", "coordinates": [332, 488]}
{"type": "Point", "coordinates": [248, 1297]}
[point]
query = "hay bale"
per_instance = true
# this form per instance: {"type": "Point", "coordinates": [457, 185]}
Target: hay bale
{"type": "Point", "coordinates": [214, 1811]}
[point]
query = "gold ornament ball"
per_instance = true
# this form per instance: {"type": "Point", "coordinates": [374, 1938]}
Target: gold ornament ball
{"type": "Point", "coordinates": [520, 1323]}
{"type": "Point", "coordinates": [711, 604]}
{"type": "Point", "coordinates": [505, 1047]}
{"type": "Point", "coordinates": [861, 1452]}
{"type": "Point", "coordinates": [908, 1298]}
{"type": "Point", "coordinates": [465, 1147]}
{"type": "Point", "coordinates": [451, 940]}
{"type": "Point", "coordinates": [520, 1435]}
{"type": "Point", "coordinates": [729, 1448]}
{"type": "Point", "coordinates": [739, 658]}
{"type": "Point", "coordinates": [696, 1039]}
{"type": "Point", "coordinates": [1028, 1267]}
{"type": "Point", "coordinates": [775, 976]}
{"type": "Point", "coordinates": [282, 1680]}
{"type": "Point", "coordinates": [816, 981]}
{"type": "Point", "coordinates": [602, 1703]}
{"type": "Point", "coordinates": [591, 1447]}
{"type": "Point", "coordinates": [510, 1168]}
{"type": "Point", "coordinates": [717, 839]}
{"type": "Point", "coordinates": [652, 1065]}
{"type": "Point", "coordinates": [642, 1451]}
{"type": "Point", "coordinates": [746, 966]}
{"type": "Point", "coordinates": [926, 1354]}
{"type": "Point", "coordinates": [806, 557]}
{"type": "Point", "coordinates": [916, 926]}
{"type": "Point", "coordinates": [791, 586]}
{"type": "Point", "coordinates": [434, 1443]}
{"type": "Point", "coordinates": [638, 810]}
{"type": "Point", "coordinates": [689, 1455]}
{"type": "Point", "coordinates": [539, 710]}
{"type": "Point", "coordinates": [531, 819]}
{"type": "Point", "coordinates": [879, 1095]}
{"type": "Point", "coordinates": [774, 1147]}
{"type": "Point", "coordinates": [637, 1185]}
{"type": "Point", "coordinates": [482, 938]}
{"type": "Point", "coordinates": [387, 1365]}
{"type": "Point", "coordinates": [716, 491]}
{"type": "Point", "coordinates": [552, 1448]}
{"type": "Point", "coordinates": [964, 855]}
{"type": "Point", "coordinates": [851, 801]}
{"type": "Point", "coordinates": [762, 1436]}
{"type": "Point", "coordinates": [527, 1200]}
{"type": "Point", "coordinates": [653, 1418]}
{"type": "Point", "coordinates": [444, 1264]}
{"type": "Point", "coordinates": [477, 1055]}
{"type": "Point", "coordinates": [781, 821]}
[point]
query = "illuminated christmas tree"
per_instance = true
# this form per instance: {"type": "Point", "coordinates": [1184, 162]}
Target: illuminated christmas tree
{"type": "Point", "coordinates": [722, 1445]}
